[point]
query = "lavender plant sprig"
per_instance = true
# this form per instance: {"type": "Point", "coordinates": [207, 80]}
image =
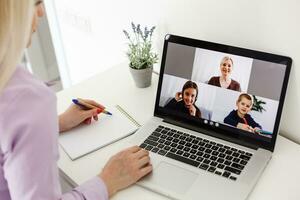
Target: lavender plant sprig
{"type": "Point", "coordinates": [140, 47]}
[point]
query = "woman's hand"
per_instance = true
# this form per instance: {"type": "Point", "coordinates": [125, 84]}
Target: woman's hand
{"type": "Point", "coordinates": [178, 96]}
{"type": "Point", "coordinates": [125, 168]}
{"type": "Point", "coordinates": [75, 116]}
{"type": "Point", "coordinates": [192, 110]}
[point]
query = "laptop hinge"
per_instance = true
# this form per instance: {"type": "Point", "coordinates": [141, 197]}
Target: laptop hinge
{"type": "Point", "coordinates": [224, 136]}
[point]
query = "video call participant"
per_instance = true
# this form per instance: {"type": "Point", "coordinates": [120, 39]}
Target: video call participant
{"type": "Point", "coordinates": [224, 81]}
{"type": "Point", "coordinates": [185, 101]}
{"type": "Point", "coordinates": [240, 117]}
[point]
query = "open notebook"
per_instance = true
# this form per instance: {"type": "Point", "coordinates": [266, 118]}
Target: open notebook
{"type": "Point", "coordinates": [108, 129]}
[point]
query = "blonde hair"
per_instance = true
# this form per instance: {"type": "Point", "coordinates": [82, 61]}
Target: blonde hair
{"type": "Point", "coordinates": [226, 58]}
{"type": "Point", "coordinates": [15, 27]}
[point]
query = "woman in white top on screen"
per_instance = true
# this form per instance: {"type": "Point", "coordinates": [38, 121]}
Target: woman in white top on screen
{"type": "Point", "coordinates": [29, 125]}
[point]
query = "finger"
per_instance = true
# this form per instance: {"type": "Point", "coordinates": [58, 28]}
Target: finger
{"type": "Point", "coordinates": [95, 117]}
{"type": "Point", "coordinates": [89, 113]}
{"type": "Point", "coordinates": [94, 103]}
{"type": "Point", "coordinates": [141, 153]}
{"type": "Point", "coordinates": [87, 121]}
{"type": "Point", "coordinates": [143, 161]}
{"type": "Point", "coordinates": [133, 149]}
{"type": "Point", "coordinates": [145, 170]}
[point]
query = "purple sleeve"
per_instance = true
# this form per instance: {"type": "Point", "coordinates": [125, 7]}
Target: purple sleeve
{"type": "Point", "coordinates": [30, 151]}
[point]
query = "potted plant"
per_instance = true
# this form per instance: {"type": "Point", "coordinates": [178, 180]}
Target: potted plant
{"type": "Point", "coordinates": [141, 57]}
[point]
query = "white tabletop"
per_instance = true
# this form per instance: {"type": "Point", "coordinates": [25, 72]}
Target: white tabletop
{"type": "Point", "coordinates": [280, 180]}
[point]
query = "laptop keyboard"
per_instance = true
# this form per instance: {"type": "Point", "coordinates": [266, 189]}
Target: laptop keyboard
{"type": "Point", "coordinates": [207, 155]}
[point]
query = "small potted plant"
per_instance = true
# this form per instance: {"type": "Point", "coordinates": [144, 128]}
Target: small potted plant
{"type": "Point", "coordinates": [141, 57]}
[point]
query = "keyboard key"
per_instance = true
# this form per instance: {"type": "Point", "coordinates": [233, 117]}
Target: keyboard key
{"type": "Point", "coordinates": [206, 161]}
{"type": "Point", "coordinates": [188, 144]}
{"type": "Point", "coordinates": [228, 152]}
{"type": "Point", "coordinates": [229, 158]}
{"type": "Point", "coordinates": [200, 159]}
{"type": "Point", "coordinates": [244, 157]}
{"type": "Point", "coordinates": [208, 151]}
{"type": "Point", "coordinates": [220, 160]}
{"type": "Point", "coordinates": [176, 135]}
{"type": "Point", "coordinates": [206, 155]}
{"type": "Point", "coordinates": [201, 149]}
{"type": "Point", "coordinates": [213, 158]}
{"type": "Point", "coordinates": [213, 163]}
{"type": "Point", "coordinates": [173, 150]}
{"type": "Point", "coordinates": [211, 142]}
{"type": "Point", "coordinates": [164, 131]}
{"type": "Point", "coordinates": [169, 138]}
{"type": "Point", "coordinates": [228, 163]}
{"type": "Point", "coordinates": [153, 138]}
{"type": "Point", "coordinates": [205, 141]}
{"type": "Point", "coordinates": [220, 145]}
{"type": "Point", "coordinates": [167, 148]}
{"type": "Point", "coordinates": [218, 173]}
{"type": "Point", "coordinates": [167, 142]}
{"type": "Point", "coordinates": [200, 153]}
{"type": "Point", "coordinates": [149, 147]}
{"type": "Point", "coordinates": [183, 159]}
{"type": "Point", "coordinates": [221, 166]}
{"type": "Point", "coordinates": [188, 139]}
{"type": "Point", "coordinates": [232, 178]}
{"type": "Point", "coordinates": [241, 152]}
{"type": "Point", "coordinates": [193, 157]}
{"type": "Point", "coordinates": [237, 160]}
{"type": "Point", "coordinates": [226, 174]}
{"type": "Point", "coordinates": [170, 133]}
{"type": "Point", "coordinates": [143, 145]}
{"type": "Point", "coordinates": [222, 155]}
{"type": "Point", "coordinates": [195, 141]}
{"type": "Point", "coordinates": [249, 154]}
{"type": "Point", "coordinates": [180, 147]}
{"type": "Point", "coordinates": [203, 166]}
{"type": "Point", "coordinates": [208, 145]}
{"type": "Point", "coordinates": [243, 162]}
{"type": "Point", "coordinates": [214, 153]}
{"type": "Point", "coordinates": [211, 169]}
{"type": "Point", "coordinates": [235, 154]}
{"type": "Point", "coordinates": [221, 150]}
{"type": "Point", "coordinates": [230, 169]}
{"type": "Point", "coordinates": [175, 140]}
{"type": "Point", "coordinates": [179, 152]}
{"type": "Point", "coordinates": [201, 143]}
{"type": "Point", "coordinates": [187, 149]}
{"type": "Point", "coordinates": [195, 146]}
{"type": "Point", "coordinates": [186, 154]}
{"type": "Point", "coordinates": [193, 151]}
{"type": "Point", "coordinates": [226, 147]}
{"type": "Point", "coordinates": [215, 148]}
{"type": "Point", "coordinates": [233, 149]}
{"type": "Point", "coordinates": [158, 129]}
{"type": "Point", "coordinates": [163, 136]}
{"type": "Point", "coordinates": [162, 152]}
{"type": "Point", "coordinates": [166, 128]}
{"type": "Point", "coordinates": [151, 142]}
{"type": "Point", "coordinates": [173, 145]}
{"type": "Point", "coordinates": [182, 142]}
{"type": "Point", "coordinates": [156, 134]}
{"type": "Point", "coordinates": [237, 166]}
{"type": "Point", "coordinates": [160, 146]}
{"type": "Point", "coordinates": [154, 150]}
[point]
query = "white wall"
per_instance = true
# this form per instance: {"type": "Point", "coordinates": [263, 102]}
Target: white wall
{"type": "Point", "coordinates": [92, 32]}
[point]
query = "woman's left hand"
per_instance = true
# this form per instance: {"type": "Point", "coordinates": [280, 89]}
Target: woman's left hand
{"type": "Point", "coordinates": [75, 116]}
{"type": "Point", "coordinates": [192, 110]}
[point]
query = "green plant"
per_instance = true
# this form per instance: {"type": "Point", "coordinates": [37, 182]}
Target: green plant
{"type": "Point", "coordinates": [140, 48]}
{"type": "Point", "coordinates": [257, 105]}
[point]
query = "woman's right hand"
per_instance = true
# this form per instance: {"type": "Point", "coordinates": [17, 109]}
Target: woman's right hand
{"type": "Point", "coordinates": [125, 168]}
{"type": "Point", "coordinates": [245, 127]}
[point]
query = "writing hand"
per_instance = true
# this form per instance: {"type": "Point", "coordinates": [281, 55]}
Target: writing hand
{"type": "Point", "coordinates": [75, 116]}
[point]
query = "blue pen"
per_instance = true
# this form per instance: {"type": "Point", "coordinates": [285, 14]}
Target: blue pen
{"type": "Point", "coordinates": [86, 105]}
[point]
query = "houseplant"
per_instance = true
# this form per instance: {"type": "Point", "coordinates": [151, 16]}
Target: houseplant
{"type": "Point", "coordinates": [140, 54]}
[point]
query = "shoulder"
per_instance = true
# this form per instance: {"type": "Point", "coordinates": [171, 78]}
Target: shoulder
{"type": "Point", "coordinates": [214, 78]}
{"type": "Point", "coordinates": [27, 106]}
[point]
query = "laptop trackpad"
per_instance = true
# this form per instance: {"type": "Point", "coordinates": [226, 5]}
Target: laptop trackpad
{"type": "Point", "coordinates": [173, 178]}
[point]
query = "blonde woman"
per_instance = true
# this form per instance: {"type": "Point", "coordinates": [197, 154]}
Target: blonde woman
{"type": "Point", "coordinates": [225, 81]}
{"type": "Point", "coordinates": [29, 125]}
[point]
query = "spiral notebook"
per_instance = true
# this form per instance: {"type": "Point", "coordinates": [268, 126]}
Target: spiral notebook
{"type": "Point", "coordinates": [85, 139]}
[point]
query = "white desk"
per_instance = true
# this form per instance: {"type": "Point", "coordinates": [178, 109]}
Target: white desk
{"type": "Point", "coordinates": [281, 179]}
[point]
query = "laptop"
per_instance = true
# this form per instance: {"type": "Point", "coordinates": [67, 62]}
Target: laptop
{"type": "Point", "coordinates": [216, 119]}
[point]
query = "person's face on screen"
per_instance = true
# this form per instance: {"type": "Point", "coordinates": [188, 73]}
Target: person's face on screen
{"type": "Point", "coordinates": [244, 106]}
{"type": "Point", "coordinates": [226, 68]}
{"type": "Point", "coordinates": [189, 96]}
{"type": "Point", "coordinates": [38, 13]}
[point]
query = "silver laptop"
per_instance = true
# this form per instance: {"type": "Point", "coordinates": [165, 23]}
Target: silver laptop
{"type": "Point", "coordinates": [216, 119]}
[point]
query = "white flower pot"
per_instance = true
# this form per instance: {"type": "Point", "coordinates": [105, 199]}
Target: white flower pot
{"type": "Point", "coordinates": [142, 77]}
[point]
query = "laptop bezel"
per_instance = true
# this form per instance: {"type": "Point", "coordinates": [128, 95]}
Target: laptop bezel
{"type": "Point", "coordinates": [215, 131]}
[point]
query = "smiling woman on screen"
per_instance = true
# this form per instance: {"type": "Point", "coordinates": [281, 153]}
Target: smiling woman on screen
{"type": "Point", "coordinates": [224, 81]}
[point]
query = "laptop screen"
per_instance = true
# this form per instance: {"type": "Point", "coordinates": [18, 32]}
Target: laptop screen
{"type": "Point", "coordinates": [220, 87]}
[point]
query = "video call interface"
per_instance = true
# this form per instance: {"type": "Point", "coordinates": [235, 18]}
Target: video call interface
{"type": "Point", "coordinates": [222, 89]}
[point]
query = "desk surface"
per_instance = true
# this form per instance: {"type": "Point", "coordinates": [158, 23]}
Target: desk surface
{"type": "Point", "coordinates": [279, 181]}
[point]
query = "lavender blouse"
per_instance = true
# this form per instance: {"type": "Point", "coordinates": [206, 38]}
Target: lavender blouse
{"type": "Point", "coordinates": [28, 145]}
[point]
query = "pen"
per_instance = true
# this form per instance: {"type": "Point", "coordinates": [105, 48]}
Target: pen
{"type": "Point", "coordinates": [86, 105]}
